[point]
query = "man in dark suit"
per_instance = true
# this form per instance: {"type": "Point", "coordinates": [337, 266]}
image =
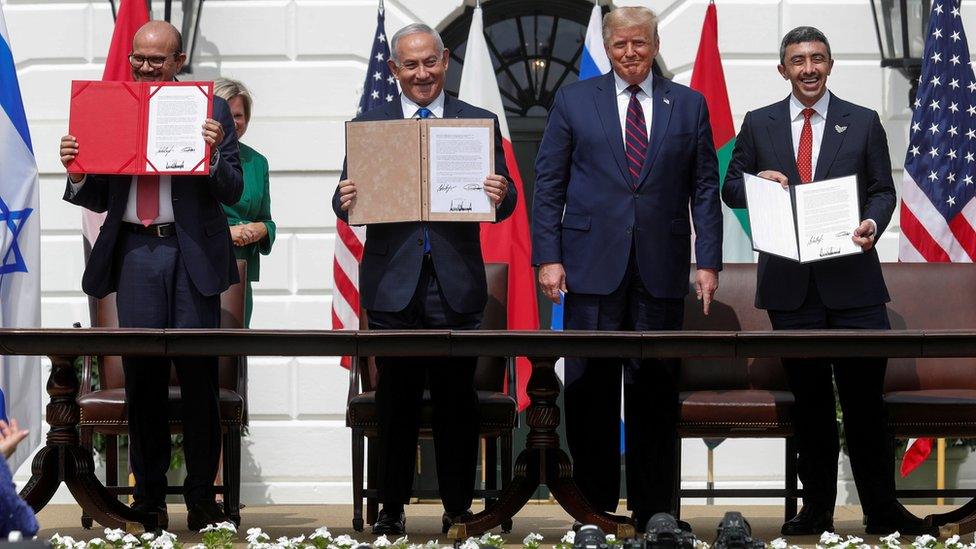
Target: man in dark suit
{"type": "Point", "coordinates": [622, 158]}
{"type": "Point", "coordinates": [814, 135]}
{"type": "Point", "coordinates": [165, 249]}
{"type": "Point", "coordinates": [425, 275]}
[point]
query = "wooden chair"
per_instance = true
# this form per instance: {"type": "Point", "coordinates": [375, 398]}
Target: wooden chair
{"type": "Point", "coordinates": [497, 407]}
{"type": "Point", "coordinates": [103, 410]}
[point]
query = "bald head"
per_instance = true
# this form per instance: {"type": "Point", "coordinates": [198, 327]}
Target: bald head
{"type": "Point", "coordinates": [157, 52]}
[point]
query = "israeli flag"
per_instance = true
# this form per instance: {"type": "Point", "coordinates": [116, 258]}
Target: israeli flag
{"type": "Point", "coordinates": [20, 230]}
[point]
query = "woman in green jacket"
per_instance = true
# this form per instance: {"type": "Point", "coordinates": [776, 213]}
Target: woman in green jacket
{"type": "Point", "coordinates": [251, 227]}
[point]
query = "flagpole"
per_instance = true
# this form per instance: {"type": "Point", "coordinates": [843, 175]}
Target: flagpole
{"type": "Point", "coordinates": [940, 466]}
{"type": "Point", "coordinates": [381, 6]}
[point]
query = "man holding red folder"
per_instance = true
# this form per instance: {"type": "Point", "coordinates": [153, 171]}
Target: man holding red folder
{"type": "Point", "coordinates": [166, 250]}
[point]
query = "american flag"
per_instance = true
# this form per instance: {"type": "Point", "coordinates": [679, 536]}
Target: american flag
{"type": "Point", "coordinates": [938, 213]}
{"type": "Point", "coordinates": [379, 87]}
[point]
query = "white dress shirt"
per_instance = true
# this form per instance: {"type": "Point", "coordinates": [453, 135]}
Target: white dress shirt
{"type": "Point", "coordinates": [623, 101]}
{"type": "Point", "coordinates": [165, 199]}
{"type": "Point", "coordinates": [818, 121]}
{"type": "Point", "coordinates": [410, 108]}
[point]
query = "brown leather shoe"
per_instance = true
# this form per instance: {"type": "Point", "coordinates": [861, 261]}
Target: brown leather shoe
{"type": "Point", "coordinates": [448, 519]}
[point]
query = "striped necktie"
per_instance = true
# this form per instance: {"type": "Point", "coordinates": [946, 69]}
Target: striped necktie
{"type": "Point", "coordinates": [636, 136]}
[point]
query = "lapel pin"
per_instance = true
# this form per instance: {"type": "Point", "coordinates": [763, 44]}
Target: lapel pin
{"type": "Point", "coordinates": [667, 101]}
{"type": "Point", "coordinates": [839, 128]}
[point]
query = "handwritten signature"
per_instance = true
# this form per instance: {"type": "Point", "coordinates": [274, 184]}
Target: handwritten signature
{"type": "Point", "coordinates": [165, 150]}
{"type": "Point", "coordinates": [189, 149]}
{"type": "Point", "coordinates": [174, 165]}
{"type": "Point", "coordinates": [473, 187]}
{"type": "Point", "coordinates": [445, 188]}
{"type": "Point", "coordinates": [829, 251]}
{"type": "Point", "coordinates": [816, 239]}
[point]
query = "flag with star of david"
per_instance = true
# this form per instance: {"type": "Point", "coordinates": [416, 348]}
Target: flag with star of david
{"type": "Point", "coordinates": [938, 213]}
{"type": "Point", "coordinates": [20, 302]}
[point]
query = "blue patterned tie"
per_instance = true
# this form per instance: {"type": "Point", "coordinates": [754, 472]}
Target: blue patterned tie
{"type": "Point", "coordinates": [636, 135]}
{"type": "Point", "coordinates": [424, 112]}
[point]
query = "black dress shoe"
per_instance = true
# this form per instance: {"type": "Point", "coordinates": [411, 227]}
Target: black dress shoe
{"type": "Point", "coordinates": [162, 517]}
{"type": "Point", "coordinates": [202, 514]}
{"type": "Point", "coordinates": [640, 519]}
{"type": "Point", "coordinates": [811, 520]}
{"type": "Point", "coordinates": [390, 523]}
{"type": "Point", "coordinates": [898, 519]}
{"type": "Point", "coordinates": [448, 519]}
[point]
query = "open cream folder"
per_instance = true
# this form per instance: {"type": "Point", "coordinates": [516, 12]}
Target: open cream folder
{"type": "Point", "coordinates": [805, 223]}
{"type": "Point", "coordinates": [420, 170]}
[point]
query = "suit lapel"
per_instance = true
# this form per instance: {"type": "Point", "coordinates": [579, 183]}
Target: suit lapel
{"type": "Point", "coordinates": [452, 107]}
{"type": "Point", "coordinates": [837, 117]}
{"type": "Point", "coordinates": [660, 117]}
{"type": "Point", "coordinates": [781, 136]}
{"type": "Point", "coordinates": [606, 109]}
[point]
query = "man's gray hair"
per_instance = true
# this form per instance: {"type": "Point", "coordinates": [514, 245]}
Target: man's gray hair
{"type": "Point", "coordinates": [414, 28]}
{"type": "Point", "coordinates": [799, 35]}
{"type": "Point", "coordinates": [631, 16]}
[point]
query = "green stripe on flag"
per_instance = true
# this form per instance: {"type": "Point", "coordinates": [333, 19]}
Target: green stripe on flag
{"type": "Point", "coordinates": [737, 242]}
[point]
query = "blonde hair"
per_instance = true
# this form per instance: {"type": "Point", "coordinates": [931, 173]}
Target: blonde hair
{"type": "Point", "coordinates": [228, 89]}
{"type": "Point", "coordinates": [629, 17]}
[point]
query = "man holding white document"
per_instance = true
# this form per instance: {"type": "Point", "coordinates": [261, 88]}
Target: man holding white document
{"type": "Point", "coordinates": [832, 278]}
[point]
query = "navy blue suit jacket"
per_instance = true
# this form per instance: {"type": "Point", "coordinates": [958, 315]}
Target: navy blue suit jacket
{"type": "Point", "coordinates": [586, 214]}
{"type": "Point", "coordinates": [765, 142]}
{"type": "Point", "coordinates": [201, 226]}
{"type": "Point", "coordinates": [393, 255]}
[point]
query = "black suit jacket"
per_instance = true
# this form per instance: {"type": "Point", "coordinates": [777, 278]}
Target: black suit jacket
{"type": "Point", "coordinates": [854, 142]}
{"type": "Point", "coordinates": [201, 226]}
{"type": "Point", "coordinates": [393, 255]}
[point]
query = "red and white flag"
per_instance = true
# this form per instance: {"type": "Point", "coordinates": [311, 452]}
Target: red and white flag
{"type": "Point", "coordinates": [131, 16]}
{"type": "Point", "coordinates": [507, 241]}
{"type": "Point", "coordinates": [918, 451]}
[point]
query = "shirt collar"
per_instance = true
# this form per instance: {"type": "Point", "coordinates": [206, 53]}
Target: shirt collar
{"type": "Point", "coordinates": [796, 108]}
{"type": "Point", "coordinates": [410, 108]}
{"type": "Point", "coordinates": [622, 85]}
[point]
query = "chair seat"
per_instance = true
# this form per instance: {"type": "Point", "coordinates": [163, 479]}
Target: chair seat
{"type": "Point", "coordinates": [932, 412]}
{"type": "Point", "coordinates": [497, 411]}
{"type": "Point", "coordinates": [105, 410]}
{"type": "Point", "coordinates": [735, 412]}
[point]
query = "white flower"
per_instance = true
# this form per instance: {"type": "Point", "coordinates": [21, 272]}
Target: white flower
{"type": "Point", "coordinates": [532, 539]}
{"type": "Point", "coordinates": [924, 540]}
{"type": "Point", "coordinates": [321, 532]}
{"type": "Point", "coordinates": [569, 538]}
{"type": "Point", "coordinates": [470, 543]}
{"type": "Point", "coordinates": [829, 538]}
{"type": "Point", "coordinates": [954, 540]}
{"type": "Point", "coordinates": [130, 539]}
{"type": "Point", "coordinates": [114, 535]}
{"type": "Point", "coordinates": [147, 536]}
{"type": "Point", "coordinates": [344, 541]}
{"type": "Point", "coordinates": [96, 542]}
{"type": "Point", "coordinates": [891, 539]}
{"type": "Point", "coordinates": [382, 541]}
{"type": "Point", "coordinates": [15, 536]}
{"type": "Point", "coordinates": [778, 543]}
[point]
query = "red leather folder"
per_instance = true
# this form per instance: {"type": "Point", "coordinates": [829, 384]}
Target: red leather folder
{"type": "Point", "coordinates": [111, 122]}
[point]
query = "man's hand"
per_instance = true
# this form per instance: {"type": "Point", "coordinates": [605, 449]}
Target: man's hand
{"type": "Point", "coordinates": [775, 176]}
{"type": "Point", "coordinates": [552, 279]}
{"type": "Point", "coordinates": [69, 150]}
{"type": "Point", "coordinates": [706, 282]}
{"type": "Point", "coordinates": [497, 187]}
{"type": "Point", "coordinates": [10, 436]}
{"type": "Point", "coordinates": [213, 132]}
{"type": "Point", "coordinates": [347, 194]}
{"type": "Point", "coordinates": [864, 235]}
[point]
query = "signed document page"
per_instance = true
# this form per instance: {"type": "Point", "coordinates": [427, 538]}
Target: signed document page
{"type": "Point", "coordinates": [459, 161]}
{"type": "Point", "coordinates": [174, 137]}
{"type": "Point", "coordinates": [827, 212]}
{"type": "Point", "coordinates": [771, 217]}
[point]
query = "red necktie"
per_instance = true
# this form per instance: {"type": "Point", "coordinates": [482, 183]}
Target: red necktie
{"type": "Point", "coordinates": [147, 198]}
{"type": "Point", "coordinates": [804, 154]}
{"type": "Point", "coordinates": [636, 128]}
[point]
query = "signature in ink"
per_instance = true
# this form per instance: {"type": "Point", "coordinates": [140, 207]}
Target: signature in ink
{"type": "Point", "coordinates": [165, 150]}
{"type": "Point", "coordinates": [843, 233]}
{"type": "Point", "coordinates": [459, 205]}
{"type": "Point", "coordinates": [829, 251]}
{"type": "Point", "coordinates": [445, 188]}
{"type": "Point", "coordinates": [188, 149]}
{"type": "Point", "coordinates": [473, 187]}
{"type": "Point", "coordinates": [174, 165]}
{"type": "Point", "coordinates": [816, 239]}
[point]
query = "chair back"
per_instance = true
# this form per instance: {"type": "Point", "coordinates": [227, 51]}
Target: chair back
{"type": "Point", "coordinates": [733, 310]}
{"type": "Point", "coordinates": [931, 296]}
{"type": "Point", "coordinates": [489, 374]}
{"type": "Point", "coordinates": [232, 371]}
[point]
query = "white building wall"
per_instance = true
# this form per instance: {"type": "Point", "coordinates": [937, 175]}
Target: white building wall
{"type": "Point", "coordinates": [304, 61]}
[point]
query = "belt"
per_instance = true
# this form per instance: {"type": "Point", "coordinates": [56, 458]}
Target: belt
{"type": "Point", "coordinates": [160, 230]}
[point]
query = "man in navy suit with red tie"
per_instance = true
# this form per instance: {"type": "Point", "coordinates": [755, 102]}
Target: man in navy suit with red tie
{"type": "Point", "coordinates": [813, 135]}
{"type": "Point", "coordinates": [625, 159]}
{"type": "Point", "coordinates": [165, 249]}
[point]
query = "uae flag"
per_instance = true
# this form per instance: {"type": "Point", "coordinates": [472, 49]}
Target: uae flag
{"type": "Point", "coordinates": [508, 241]}
{"type": "Point", "coordinates": [709, 79]}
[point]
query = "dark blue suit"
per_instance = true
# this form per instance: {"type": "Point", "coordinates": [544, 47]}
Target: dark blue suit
{"type": "Point", "coordinates": [169, 282]}
{"type": "Point", "coordinates": [844, 293]}
{"type": "Point", "coordinates": [626, 252]}
{"type": "Point", "coordinates": [401, 287]}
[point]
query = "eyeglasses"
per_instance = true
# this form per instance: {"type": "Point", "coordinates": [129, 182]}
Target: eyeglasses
{"type": "Point", "coordinates": [155, 62]}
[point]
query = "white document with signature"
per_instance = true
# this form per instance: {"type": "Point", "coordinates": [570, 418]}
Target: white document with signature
{"type": "Point", "coordinates": [174, 140]}
{"type": "Point", "coordinates": [805, 223]}
{"type": "Point", "coordinates": [459, 161]}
